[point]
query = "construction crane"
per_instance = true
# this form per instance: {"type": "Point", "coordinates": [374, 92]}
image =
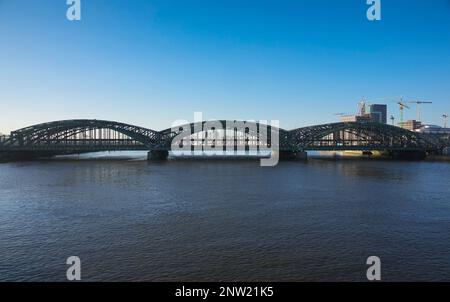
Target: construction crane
{"type": "Point", "coordinates": [402, 106]}
{"type": "Point", "coordinates": [445, 117]}
{"type": "Point", "coordinates": [362, 107]}
{"type": "Point", "coordinates": [418, 103]}
{"type": "Point", "coordinates": [393, 99]}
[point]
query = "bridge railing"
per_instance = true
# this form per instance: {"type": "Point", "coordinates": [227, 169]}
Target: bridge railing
{"type": "Point", "coordinates": [86, 142]}
{"type": "Point", "coordinates": [70, 143]}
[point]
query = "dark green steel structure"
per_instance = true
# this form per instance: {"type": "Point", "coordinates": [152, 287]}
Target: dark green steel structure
{"type": "Point", "coordinates": [80, 136]}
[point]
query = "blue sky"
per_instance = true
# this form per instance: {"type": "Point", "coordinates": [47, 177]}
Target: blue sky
{"type": "Point", "coordinates": [152, 62]}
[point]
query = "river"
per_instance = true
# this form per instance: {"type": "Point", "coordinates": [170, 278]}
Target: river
{"type": "Point", "coordinates": [219, 220]}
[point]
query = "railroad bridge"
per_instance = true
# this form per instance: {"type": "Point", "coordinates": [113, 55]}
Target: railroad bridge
{"type": "Point", "coordinates": [83, 135]}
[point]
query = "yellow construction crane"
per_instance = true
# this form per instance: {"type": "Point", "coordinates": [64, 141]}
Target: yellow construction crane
{"type": "Point", "coordinates": [418, 103]}
{"type": "Point", "coordinates": [402, 106]}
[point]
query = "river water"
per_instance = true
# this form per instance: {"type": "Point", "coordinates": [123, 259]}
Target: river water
{"type": "Point", "coordinates": [216, 220]}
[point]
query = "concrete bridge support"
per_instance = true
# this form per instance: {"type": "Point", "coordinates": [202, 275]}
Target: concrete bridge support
{"type": "Point", "coordinates": [157, 155]}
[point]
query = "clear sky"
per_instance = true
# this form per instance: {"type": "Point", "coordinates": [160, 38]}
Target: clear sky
{"type": "Point", "coordinates": [151, 62]}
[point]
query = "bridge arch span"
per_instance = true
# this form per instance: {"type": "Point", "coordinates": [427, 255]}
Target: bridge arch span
{"type": "Point", "coordinates": [76, 133]}
{"type": "Point", "coordinates": [247, 129]}
{"type": "Point", "coordinates": [359, 135]}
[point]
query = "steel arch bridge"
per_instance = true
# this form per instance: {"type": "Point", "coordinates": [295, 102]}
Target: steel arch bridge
{"type": "Point", "coordinates": [242, 134]}
{"type": "Point", "coordinates": [78, 136]}
{"type": "Point", "coordinates": [361, 136]}
{"type": "Point", "coordinates": [84, 135]}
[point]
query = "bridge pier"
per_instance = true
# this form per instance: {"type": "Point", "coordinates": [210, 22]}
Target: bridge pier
{"type": "Point", "coordinates": [157, 155]}
{"type": "Point", "coordinates": [6, 156]}
{"type": "Point", "coordinates": [292, 155]}
{"type": "Point", "coordinates": [408, 155]}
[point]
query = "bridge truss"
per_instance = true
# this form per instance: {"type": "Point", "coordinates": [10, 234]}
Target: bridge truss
{"type": "Point", "coordinates": [360, 136]}
{"type": "Point", "coordinates": [79, 136]}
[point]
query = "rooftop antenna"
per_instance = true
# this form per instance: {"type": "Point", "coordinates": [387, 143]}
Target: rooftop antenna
{"type": "Point", "coordinates": [393, 120]}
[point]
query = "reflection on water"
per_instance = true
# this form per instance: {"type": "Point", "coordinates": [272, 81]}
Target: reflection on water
{"type": "Point", "coordinates": [214, 220]}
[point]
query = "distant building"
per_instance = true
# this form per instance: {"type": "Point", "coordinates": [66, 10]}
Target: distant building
{"type": "Point", "coordinates": [411, 125]}
{"type": "Point", "coordinates": [356, 118]}
{"type": "Point", "coordinates": [433, 129]}
{"type": "Point", "coordinates": [378, 113]}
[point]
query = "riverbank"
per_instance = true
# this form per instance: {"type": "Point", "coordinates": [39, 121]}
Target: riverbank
{"type": "Point", "coordinates": [440, 158]}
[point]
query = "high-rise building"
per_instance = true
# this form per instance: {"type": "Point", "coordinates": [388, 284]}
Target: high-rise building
{"type": "Point", "coordinates": [378, 113]}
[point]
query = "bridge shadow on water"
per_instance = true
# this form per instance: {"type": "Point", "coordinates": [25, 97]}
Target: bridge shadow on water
{"type": "Point", "coordinates": [141, 156]}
